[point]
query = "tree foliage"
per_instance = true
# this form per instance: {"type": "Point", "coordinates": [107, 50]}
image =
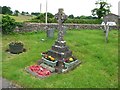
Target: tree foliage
{"type": "Point", "coordinates": [71, 16]}
{"type": "Point", "coordinates": [35, 13]}
{"type": "Point", "coordinates": [16, 12]}
{"type": "Point", "coordinates": [41, 18]}
{"type": "Point", "coordinates": [6, 10]}
{"type": "Point", "coordinates": [8, 24]}
{"type": "Point", "coordinates": [103, 9]}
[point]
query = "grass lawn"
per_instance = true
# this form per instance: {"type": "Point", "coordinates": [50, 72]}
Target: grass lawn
{"type": "Point", "coordinates": [99, 68]}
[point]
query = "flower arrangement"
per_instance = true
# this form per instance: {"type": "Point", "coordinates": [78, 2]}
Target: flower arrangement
{"type": "Point", "coordinates": [39, 70]}
{"type": "Point", "coordinates": [16, 43]}
{"type": "Point", "coordinates": [16, 47]}
{"type": "Point", "coordinates": [70, 59]}
{"type": "Point", "coordinates": [50, 58]}
{"type": "Point", "coordinates": [45, 55]}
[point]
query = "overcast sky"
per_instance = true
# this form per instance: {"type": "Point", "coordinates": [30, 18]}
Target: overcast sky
{"type": "Point", "coordinates": [75, 7]}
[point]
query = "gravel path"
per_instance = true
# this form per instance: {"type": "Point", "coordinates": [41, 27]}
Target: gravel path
{"type": "Point", "coordinates": [6, 84]}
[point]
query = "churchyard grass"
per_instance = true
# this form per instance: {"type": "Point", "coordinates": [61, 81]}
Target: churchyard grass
{"type": "Point", "coordinates": [99, 68]}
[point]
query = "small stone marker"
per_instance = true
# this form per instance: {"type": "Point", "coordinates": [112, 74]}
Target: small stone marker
{"type": "Point", "coordinates": [50, 32]}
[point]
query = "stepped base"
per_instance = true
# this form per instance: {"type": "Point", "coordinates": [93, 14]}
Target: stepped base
{"type": "Point", "coordinates": [60, 55]}
{"type": "Point", "coordinates": [67, 66]}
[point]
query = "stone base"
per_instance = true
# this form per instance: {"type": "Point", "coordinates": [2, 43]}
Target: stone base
{"type": "Point", "coordinates": [71, 67]}
{"type": "Point", "coordinates": [48, 62]}
{"type": "Point", "coordinates": [68, 66]}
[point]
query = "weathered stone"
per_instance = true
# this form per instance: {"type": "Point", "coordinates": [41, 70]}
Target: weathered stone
{"type": "Point", "coordinates": [47, 67]}
{"type": "Point", "coordinates": [50, 32]}
{"type": "Point", "coordinates": [29, 27]}
{"type": "Point", "coordinates": [59, 51]}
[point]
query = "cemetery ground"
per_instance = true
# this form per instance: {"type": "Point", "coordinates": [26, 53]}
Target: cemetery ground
{"type": "Point", "coordinates": [99, 67]}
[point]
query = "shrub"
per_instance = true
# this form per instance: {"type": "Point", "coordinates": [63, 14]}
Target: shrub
{"type": "Point", "coordinates": [8, 24]}
{"type": "Point", "coordinates": [77, 21]}
{"type": "Point", "coordinates": [19, 24]}
{"type": "Point", "coordinates": [84, 21]}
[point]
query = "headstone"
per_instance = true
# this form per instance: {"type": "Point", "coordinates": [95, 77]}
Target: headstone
{"type": "Point", "coordinates": [50, 32]}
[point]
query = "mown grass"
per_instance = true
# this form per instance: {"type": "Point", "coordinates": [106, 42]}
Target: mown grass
{"type": "Point", "coordinates": [99, 68]}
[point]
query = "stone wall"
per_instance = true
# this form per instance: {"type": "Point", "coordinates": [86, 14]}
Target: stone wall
{"type": "Point", "coordinates": [28, 27]}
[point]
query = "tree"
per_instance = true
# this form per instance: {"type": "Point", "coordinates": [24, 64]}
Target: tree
{"type": "Point", "coordinates": [27, 13]}
{"type": "Point", "coordinates": [16, 12]}
{"type": "Point", "coordinates": [77, 17]}
{"type": "Point", "coordinates": [86, 17]}
{"type": "Point", "coordinates": [103, 9]}
{"type": "Point", "coordinates": [8, 24]}
{"type": "Point", "coordinates": [83, 17]}
{"type": "Point", "coordinates": [23, 13]}
{"type": "Point", "coordinates": [49, 15]}
{"type": "Point", "coordinates": [35, 13]}
{"type": "Point", "coordinates": [6, 10]}
{"type": "Point", "coordinates": [71, 16]}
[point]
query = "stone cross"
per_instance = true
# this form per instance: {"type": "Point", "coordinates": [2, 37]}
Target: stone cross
{"type": "Point", "coordinates": [106, 28]}
{"type": "Point", "coordinates": [61, 17]}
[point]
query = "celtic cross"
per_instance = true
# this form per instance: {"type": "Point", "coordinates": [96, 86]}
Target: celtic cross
{"type": "Point", "coordinates": [61, 17]}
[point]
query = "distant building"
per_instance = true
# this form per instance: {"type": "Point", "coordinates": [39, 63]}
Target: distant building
{"type": "Point", "coordinates": [111, 18]}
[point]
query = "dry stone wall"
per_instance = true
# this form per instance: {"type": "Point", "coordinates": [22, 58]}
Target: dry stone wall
{"type": "Point", "coordinates": [28, 27]}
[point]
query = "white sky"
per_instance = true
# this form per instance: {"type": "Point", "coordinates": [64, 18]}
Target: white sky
{"type": "Point", "coordinates": [75, 7]}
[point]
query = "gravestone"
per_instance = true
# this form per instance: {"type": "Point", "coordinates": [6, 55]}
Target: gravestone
{"type": "Point", "coordinates": [50, 32]}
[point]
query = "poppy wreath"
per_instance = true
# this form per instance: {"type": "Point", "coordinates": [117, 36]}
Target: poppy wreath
{"type": "Point", "coordinates": [40, 70]}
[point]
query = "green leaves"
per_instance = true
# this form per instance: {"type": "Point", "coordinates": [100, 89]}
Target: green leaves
{"type": "Point", "coordinates": [103, 9]}
{"type": "Point", "coordinates": [8, 24]}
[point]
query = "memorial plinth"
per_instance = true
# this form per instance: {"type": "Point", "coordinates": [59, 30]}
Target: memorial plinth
{"type": "Point", "coordinates": [59, 58]}
{"type": "Point", "coordinates": [60, 52]}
